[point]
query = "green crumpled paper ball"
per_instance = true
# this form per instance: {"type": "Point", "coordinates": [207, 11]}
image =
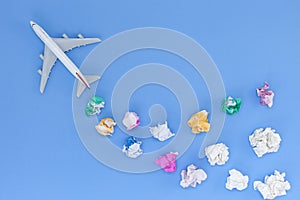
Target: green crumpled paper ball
{"type": "Point", "coordinates": [94, 106]}
{"type": "Point", "coordinates": [231, 105]}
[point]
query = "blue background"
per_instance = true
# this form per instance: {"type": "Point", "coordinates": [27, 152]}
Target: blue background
{"type": "Point", "coordinates": [41, 155]}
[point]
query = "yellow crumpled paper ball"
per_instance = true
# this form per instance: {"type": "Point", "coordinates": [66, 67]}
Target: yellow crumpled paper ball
{"type": "Point", "coordinates": [199, 122]}
{"type": "Point", "coordinates": [106, 126]}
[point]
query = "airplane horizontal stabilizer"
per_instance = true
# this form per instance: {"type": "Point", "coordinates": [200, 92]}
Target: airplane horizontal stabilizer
{"type": "Point", "coordinates": [81, 87]}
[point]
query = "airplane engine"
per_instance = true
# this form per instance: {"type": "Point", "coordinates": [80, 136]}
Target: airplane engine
{"type": "Point", "coordinates": [80, 36]}
{"type": "Point", "coordinates": [65, 35]}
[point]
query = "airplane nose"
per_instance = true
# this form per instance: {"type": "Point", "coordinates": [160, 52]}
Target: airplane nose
{"type": "Point", "coordinates": [32, 23]}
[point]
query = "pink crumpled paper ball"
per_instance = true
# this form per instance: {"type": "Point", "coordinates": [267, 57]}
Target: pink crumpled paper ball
{"type": "Point", "coordinates": [167, 161]}
{"type": "Point", "coordinates": [266, 95]}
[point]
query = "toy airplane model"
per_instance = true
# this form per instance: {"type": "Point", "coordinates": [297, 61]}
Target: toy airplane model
{"type": "Point", "coordinates": [54, 49]}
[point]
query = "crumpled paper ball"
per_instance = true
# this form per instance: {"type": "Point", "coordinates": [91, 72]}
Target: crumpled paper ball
{"type": "Point", "coordinates": [94, 106]}
{"type": "Point", "coordinates": [199, 122]}
{"type": "Point", "coordinates": [264, 141]}
{"type": "Point", "coordinates": [167, 161]}
{"type": "Point", "coordinates": [132, 148]}
{"type": "Point", "coordinates": [274, 186]}
{"type": "Point", "coordinates": [106, 126]}
{"type": "Point", "coordinates": [236, 180]}
{"type": "Point", "coordinates": [217, 154]}
{"type": "Point", "coordinates": [131, 120]}
{"type": "Point", "coordinates": [192, 176]}
{"type": "Point", "coordinates": [231, 105]}
{"type": "Point", "coordinates": [161, 132]}
{"type": "Point", "coordinates": [266, 96]}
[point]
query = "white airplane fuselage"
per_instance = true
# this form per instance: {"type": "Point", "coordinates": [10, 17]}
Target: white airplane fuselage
{"type": "Point", "coordinates": [56, 50]}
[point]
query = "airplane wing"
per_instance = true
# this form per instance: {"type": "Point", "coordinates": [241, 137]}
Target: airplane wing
{"type": "Point", "coordinates": [49, 60]}
{"type": "Point", "coordinates": [67, 44]}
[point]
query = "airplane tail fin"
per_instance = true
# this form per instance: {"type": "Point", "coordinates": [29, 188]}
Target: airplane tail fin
{"type": "Point", "coordinates": [81, 87]}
